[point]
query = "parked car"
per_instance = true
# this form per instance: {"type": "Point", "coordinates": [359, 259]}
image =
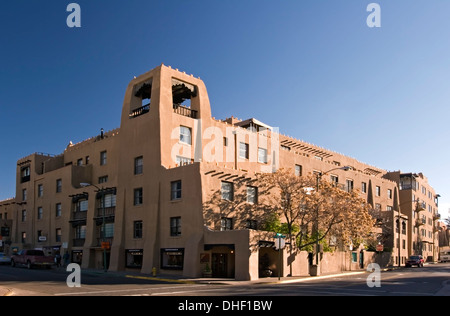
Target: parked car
{"type": "Point", "coordinates": [32, 258]}
{"type": "Point", "coordinates": [444, 256]}
{"type": "Point", "coordinates": [4, 259]}
{"type": "Point", "coordinates": [415, 261]}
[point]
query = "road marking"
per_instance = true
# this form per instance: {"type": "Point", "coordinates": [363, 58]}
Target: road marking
{"type": "Point", "coordinates": [124, 290]}
{"type": "Point", "coordinates": [179, 292]}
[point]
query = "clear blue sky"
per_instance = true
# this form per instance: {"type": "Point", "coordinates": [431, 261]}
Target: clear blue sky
{"type": "Point", "coordinates": [312, 68]}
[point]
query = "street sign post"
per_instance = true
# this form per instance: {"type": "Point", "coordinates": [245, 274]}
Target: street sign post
{"type": "Point", "coordinates": [280, 238]}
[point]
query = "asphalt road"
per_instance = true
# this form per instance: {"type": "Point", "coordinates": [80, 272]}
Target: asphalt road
{"type": "Point", "coordinates": [433, 279]}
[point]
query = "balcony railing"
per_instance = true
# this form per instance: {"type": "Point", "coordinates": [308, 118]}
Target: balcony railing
{"type": "Point", "coordinates": [79, 216]}
{"type": "Point", "coordinates": [78, 242]}
{"type": "Point", "coordinates": [140, 111]}
{"type": "Point", "coordinates": [185, 111]}
{"type": "Point", "coordinates": [109, 212]}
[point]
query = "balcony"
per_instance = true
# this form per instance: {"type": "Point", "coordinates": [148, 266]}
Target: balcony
{"type": "Point", "coordinates": [140, 111]}
{"type": "Point", "coordinates": [110, 213]}
{"type": "Point", "coordinates": [185, 111]}
{"type": "Point", "coordinates": [420, 222]}
{"type": "Point", "coordinates": [106, 239]}
{"type": "Point", "coordinates": [436, 217]}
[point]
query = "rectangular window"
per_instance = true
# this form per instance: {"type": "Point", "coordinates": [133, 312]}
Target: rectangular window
{"type": "Point", "coordinates": [139, 165]}
{"type": "Point", "coordinates": [175, 226]}
{"type": "Point", "coordinates": [5, 231]}
{"type": "Point", "coordinates": [138, 196]}
{"type": "Point", "coordinates": [378, 207]}
{"type": "Point", "coordinates": [40, 213]}
{"type": "Point", "coordinates": [137, 230]}
{"type": "Point", "coordinates": [389, 193]}
{"type": "Point", "coordinates": [226, 223]}
{"type": "Point", "coordinates": [103, 158]}
{"type": "Point", "coordinates": [109, 230]}
{"type": "Point", "coordinates": [377, 191]}
{"type": "Point", "coordinates": [243, 150]}
{"type": "Point", "coordinates": [103, 179]}
{"type": "Point", "coordinates": [24, 237]}
{"type": "Point", "coordinates": [334, 180]}
{"type": "Point", "coordinates": [251, 224]}
{"type": "Point", "coordinates": [262, 155]}
{"type": "Point", "coordinates": [363, 187]}
{"type": "Point", "coordinates": [58, 186]}
{"type": "Point", "coordinates": [185, 135]}
{"type": "Point", "coordinates": [39, 234]}
{"type": "Point", "coordinates": [40, 190]}
{"type": "Point", "coordinates": [252, 195]}
{"type": "Point", "coordinates": [80, 162]}
{"type": "Point", "coordinates": [225, 141]}
{"type": "Point", "coordinates": [24, 215]}
{"type": "Point", "coordinates": [24, 194]}
{"type": "Point", "coordinates": [58, 235]}
{"type": "Point", "coordinates": [298, 170]}
{"type": "Point", "coordinates": [183, 161]}
{"type": "Point", "coordinates": [172, 258]}
{"type": "Point", "coordinates": [80, 232]}
{"type": "Point", "coordinates": [58, 209]}
{"type": "Point", "coordinates": [82, 206]}
{"type": "Point", "coordinates": [175, 190]}
{"type": "Point", "coordinates": [110, 200]}
{"type": "Point", "coordinates": [349, 185]}
{"type": "Point", "coordinates": [227, 191]}
{"type": "Point", "coordinates": [87, 160]}
{"type": "Point", "coordinates": [25, 174]}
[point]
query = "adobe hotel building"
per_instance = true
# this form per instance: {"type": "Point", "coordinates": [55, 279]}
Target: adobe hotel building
{"type": "Point", "coordinates": [139, 192]}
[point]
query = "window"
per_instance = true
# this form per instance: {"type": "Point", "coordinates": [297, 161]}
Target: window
{"type": "Point", "coordinates": [388, 208]}
{"type": "Point", "coordinates": [58, 235]}
{"type": "Point", "coordinates": [24, 215]}
{"type": "Point", "coordinates": [25, 174]}
{"type": "Point", "coordinates": [225, 141]}
{"type": "Point", "coordinates": [103, 158]}
{"type": "Point", "coordinates": [298, 170]}
{"type": "Point", "coordinates": [80, 232]}
{"type": "Point", "coordinates": [252, 195]}
{"type": "Point", "coordinates": [175, 226]}
{"type": "Point", "coordinates": [226, 224]}
{"type": "Point", "coordinates": [58, 186]}
{"type": "Point", "coordinates": [334, 180]}
{"type": "Point", "coordinates": [110, 200]}
{"type": "Point", "coordinates": [139, 165]}
{"type": "Point", "coordinates": [58, 209]}
{"type": "Point", "coordinates": [185, 135]}
{"type": "Point", "coordinates": [39, 234]}
{"type": "Point", "coordinates": [389, 193]}
{"type": "Point", "coordinates": [80, 162]}
{"type": "Point", "coordinates": [109, 230]}
{"type": "Point", "coordinates": [183, 161]}
{"type": "Point", "coordinates": [40, 190]}
{"type": "Point", "coordinates": [24, 237]}
{"type": "Point", "coordinates": [103, 179]}
{"type": "Point", "coordinates": [87, 160]}
{"type": "Point", "coordinates": [227, 191]}
{"type": "Point", "coordinates": [262, 155]}
{"type": "Point", "coordinates": [40, 213]}
{"type": "Point", "coordinates": [377, 190]}
{"type": "Point", "coordinates": [251, 224]}
{"type": "Point", "coordinates": [82, 206]}
{"type": "Point", "coordinates": [243, 150]}
{"type": "Point", "coordinates": [137, 230]}
{"type": "Point", "coordinates": [138, 198]}
{"type": "Point", "coordinates": [5, 231]}
{"type": "Point", "coordinates": [349, 185]}
{"type": "Point", "coordinates": [172, 258]}
{"type": "Point", "coordinates": [175, 190]}
{"type": "Point", "coordinates": [364, 187]}
{"type": "Point", "coordinates": [378, 207]}
{"type": "Point", "coordinates": [24, 194]}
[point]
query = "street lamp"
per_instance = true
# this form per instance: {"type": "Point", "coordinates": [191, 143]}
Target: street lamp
{"type": "Point", "coordinates": [319, 177]}
{"type": "Point", "coordinates": [103, 235]}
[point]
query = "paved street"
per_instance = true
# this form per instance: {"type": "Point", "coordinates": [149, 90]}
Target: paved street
{"type": "Point", "coordinates": [433, 279]}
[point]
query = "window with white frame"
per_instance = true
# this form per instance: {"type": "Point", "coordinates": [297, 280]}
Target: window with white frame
{"type": "Point", "coordinates": [227, 191]}
{"type": "Point", "coordinates": [262, 155]}
{"type": "Point", "coordinates": [185, 135]}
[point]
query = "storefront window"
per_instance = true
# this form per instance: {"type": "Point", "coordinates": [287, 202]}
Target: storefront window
{"type": "Point", "coordinates": [134, 258]}
{"type": "Point", "coordinates": [172, 258]}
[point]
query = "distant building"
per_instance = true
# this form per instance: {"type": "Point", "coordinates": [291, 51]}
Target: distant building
{"type": "Point", "coordinates": [138, 193]}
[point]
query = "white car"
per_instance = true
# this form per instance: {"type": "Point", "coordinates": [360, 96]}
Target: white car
{"type": "Point", "coordinates": [4, 259]}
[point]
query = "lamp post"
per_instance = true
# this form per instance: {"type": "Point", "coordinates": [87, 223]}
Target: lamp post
{"type": "Point", "coordinates": [103, 234]}
{"type": "Point", "coordinates": [316, 228]}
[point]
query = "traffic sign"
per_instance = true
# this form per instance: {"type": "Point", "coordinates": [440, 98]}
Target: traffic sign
{"type": "Point", "coordinates": [380, 248]}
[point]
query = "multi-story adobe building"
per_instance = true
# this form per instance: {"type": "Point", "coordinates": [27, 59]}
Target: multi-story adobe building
{"type": "Point", "coordinates": [7, 207]}
{"type": "Point", "coordinates": [419, 202]}
{"type": "Point", "coordinates": [137, 195]}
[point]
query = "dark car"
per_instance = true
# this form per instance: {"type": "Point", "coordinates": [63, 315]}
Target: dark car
{"type": "Point", "coordinates": [415, 261]}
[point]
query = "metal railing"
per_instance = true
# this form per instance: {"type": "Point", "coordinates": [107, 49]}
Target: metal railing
{"type": "Point", "coordinates": [140, 111]}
